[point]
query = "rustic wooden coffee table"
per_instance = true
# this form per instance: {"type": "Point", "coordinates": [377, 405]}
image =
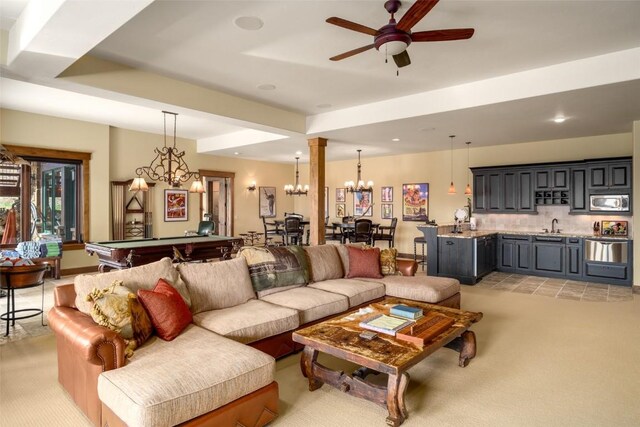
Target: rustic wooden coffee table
{"type": "Point", "coordinates": [386, 354]}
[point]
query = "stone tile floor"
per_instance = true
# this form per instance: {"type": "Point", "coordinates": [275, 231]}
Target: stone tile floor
{"type": "Point", "coordinates": [556, 288]}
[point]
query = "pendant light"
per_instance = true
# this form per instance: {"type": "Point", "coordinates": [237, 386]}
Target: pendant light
{"type": "Point", "coordinates": [452, 188]}
{"type": "Point", "coordinates": [467, 191]}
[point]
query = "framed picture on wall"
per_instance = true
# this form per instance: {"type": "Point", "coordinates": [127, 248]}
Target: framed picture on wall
{"type": "Point", "coordinates": [267, 202]}
{"type": "Point", "coordinates": [387, 194]}
{"type": "Point", "coordinates": [415, 202]}
{"type": "Point", "coordinates": [176, 205]}
{"type": "Point", "coordinates": [387, 211]}
{"type": "Point", "coordinates": [341, 195]}
{"type": "Point", "coordinates": [340, 210]}
{"type": "Point", "coordinates": [362, 203]}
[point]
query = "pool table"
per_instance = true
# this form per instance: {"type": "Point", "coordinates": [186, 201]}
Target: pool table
{"type": "Point", "coordinates": [119, 254]}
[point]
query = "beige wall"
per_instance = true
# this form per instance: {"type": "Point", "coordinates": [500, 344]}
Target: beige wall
{"type": "Point", "coordinates": [434, 168]}
{"type": "Point", "coordinates": [131, 149]}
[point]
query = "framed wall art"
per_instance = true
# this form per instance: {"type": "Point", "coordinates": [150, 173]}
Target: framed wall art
{"type": "Point", "coordinates": [387, 194]}
{"type": "Point", "coordinates": [415, 202]}
{"type": "Point", "coordinates": [615, 228]}
{"type": "Point", "coordinates": [267, 202]}
{"type": "Point", "coordinates": [341, 210]}
{"type": "Point", "coordinates": [341, 195]}
{"type": "Point", "coordinates": [176, 205]}
{"type": "Point", "coordinates": [363, 203]}
{"type": "Point", "coordinates": [387, 211]}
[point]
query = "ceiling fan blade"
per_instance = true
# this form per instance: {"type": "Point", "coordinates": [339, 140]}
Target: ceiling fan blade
{"type": "Point", "coordinates": [442, 35]}
{"type": "Point", "coordinates": [351, 52]}
{"type": "Point", "coordinates": [402, 59]}
{"type": "Point", "coordinates": [415, 13]}
{"type": "Point", "coordinates": [351, 26]}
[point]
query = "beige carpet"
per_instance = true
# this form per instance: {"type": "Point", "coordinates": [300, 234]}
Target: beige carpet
{"type": "Point", "coordinates": [541, 362]}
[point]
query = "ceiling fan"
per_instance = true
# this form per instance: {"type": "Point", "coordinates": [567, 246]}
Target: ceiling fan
{"type": "Point", "coordinates": [395, 37]}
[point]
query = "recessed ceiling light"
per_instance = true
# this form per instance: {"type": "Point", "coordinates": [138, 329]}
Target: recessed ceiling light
{"type": "Point", "coordinates": [298, 153]}
{"type": "Point", "coordinates": [323, 106]}
{"type": "Point", "coordinates": [396, 139]}
{"type": "Point", "coordinates": [266, 86]}
{"type": "Point", "coordinates": [236, 153]}
{"type": "Point", "coordinates": [559, 119]}
{"type": "Point", "coordinates": [249, 23]}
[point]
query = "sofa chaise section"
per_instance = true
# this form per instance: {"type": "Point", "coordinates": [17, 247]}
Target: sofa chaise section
{"type": "Point", "coordinates": [168, 383]}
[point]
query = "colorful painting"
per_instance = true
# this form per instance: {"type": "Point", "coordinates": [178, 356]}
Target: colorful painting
{"type": "Point", "coordinates": [341, 195]}
{"type": "Point", "coordinates": [614, 228]}
{"type": "Point", "coordinates": [267, 202]}
{"type": "Point", "coordinates": [387, 211]}
{"type": "Point", "coordinates": [176, 205]}
{"type": "Point", "coordinates": [387, 194]}
{"type": "Point", "coordinates": [415, 202]}
{"type": "Point", "coordinates": [363, 203]}
{"type": "Point", "coordinates": [341, 210]}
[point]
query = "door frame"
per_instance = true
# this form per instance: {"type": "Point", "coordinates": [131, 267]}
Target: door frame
{"type": "Point", "coordinates": [205, 173]}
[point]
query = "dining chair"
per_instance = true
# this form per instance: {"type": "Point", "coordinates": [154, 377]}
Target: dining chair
{"type": "Point", "coordinates": [292, 231]}
{"type": "Point", "coordinates": [386, 232]}
{"type": "Point", "coordinates": [332, 231]}
{"type": "Point", "coordinates": [362, 231]}
{"type": "Point", "coordinates": [271, 230]}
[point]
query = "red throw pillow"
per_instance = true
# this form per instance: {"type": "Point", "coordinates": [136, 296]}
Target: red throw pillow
{"type": "Point", "coordinates": [167, 310]}
{"type": "Point", "coordinates": [364, 262]}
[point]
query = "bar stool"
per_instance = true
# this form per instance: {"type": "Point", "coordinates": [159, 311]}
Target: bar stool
{"type": "Point", "coordinates": [21, 277]}
{"type": "Point", "coordinates": [419, 241]}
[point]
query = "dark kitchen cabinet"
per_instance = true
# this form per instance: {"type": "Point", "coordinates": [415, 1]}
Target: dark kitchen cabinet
{"type": "Point", "coordinates": [574, 257]}
{"type": "Point", "coordinates": [494, 190]}
{"type": "Point", "coordinates": [609, 176]}
{"type": "Point", "coordinates": [579, 197]}
{"type": "Point", "coordinates": [514, 253]}
{"type": "Point", "coordinates": [455, 257]}
{"type": "Point", "coordinates": [510, 195]}
{"type": "Point", "coordinates": [485, 255]}
{"type": "Point", "coordinates": [479, 192]}
{"type": "Point", "coordinates": [548, 255]}
{"type": "Point", "coordinates": [524, 192]}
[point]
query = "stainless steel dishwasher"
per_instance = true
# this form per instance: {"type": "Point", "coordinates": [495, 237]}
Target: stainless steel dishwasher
{"type": "Point", "coordinates": [606, 251]}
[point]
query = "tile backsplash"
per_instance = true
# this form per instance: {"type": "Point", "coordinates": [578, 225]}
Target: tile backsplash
{"type": "Point", "coordinates": [579, 224]}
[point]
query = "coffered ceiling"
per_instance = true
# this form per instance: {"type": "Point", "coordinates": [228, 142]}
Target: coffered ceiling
{"type": "Point", "coordinates": [528, 62]}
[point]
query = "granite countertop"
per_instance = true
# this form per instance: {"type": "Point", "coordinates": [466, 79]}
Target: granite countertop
{"type": "Point", "coordinates": [482, 233]}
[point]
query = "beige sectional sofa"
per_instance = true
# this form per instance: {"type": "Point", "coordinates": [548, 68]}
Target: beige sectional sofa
{"type": "Point", "coordinates": [208, 375]}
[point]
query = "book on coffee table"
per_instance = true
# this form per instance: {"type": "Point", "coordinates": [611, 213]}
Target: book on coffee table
{"type": "Point", "coordinates": [385, 324]}
{"type": "Point", "coordinates": [406, 311]}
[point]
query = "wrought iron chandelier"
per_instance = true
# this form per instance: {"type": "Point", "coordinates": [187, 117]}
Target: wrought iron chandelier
{"type": "Point", "coordinates": [358, 186]}
{"type": "Point", "coordinates": [296, 189]}
{"type": "Point", "coordinates": [168, 166]}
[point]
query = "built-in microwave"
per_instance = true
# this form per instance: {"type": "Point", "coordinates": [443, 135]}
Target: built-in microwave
{"type": "Point", "coordinates": [609, 202]}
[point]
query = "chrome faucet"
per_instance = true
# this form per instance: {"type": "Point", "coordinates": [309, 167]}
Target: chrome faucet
{"type": "Point", "coordinates": [554, 221]}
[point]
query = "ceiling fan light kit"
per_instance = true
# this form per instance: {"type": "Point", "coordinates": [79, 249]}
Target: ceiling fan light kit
{"type": "Point", "coordinates": [394, 38]}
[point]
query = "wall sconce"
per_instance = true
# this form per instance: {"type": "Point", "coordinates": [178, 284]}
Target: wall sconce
{"type": "Point", "coordinates": [252, 187]}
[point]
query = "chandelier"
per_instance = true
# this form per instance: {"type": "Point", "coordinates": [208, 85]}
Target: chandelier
{"type": "Point", "coordinates": [296, 189]}
{"type": "Point", "coordinates": [359, 187]}
{"type": "Point", "coordinates": [168, 166]}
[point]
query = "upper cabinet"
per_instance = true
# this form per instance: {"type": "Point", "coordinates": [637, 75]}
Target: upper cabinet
{"type": "Point", "coordinates": [520, 189]}
{"type": "Point", "coordinates": [609, 176]}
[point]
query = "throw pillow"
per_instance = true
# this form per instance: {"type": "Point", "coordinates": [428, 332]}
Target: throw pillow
{"type": "Point", "coordinates": [168, 311]}
{"type": "Point", "coordinates": [276, 267]}
{"type": "Point", "coordinates": [364, 262]}
{"type": "Point", "coordinates": [142, 277]}
{"type": "Point", "coordinates": [388, 265]}
{"type": "Point", "coordinates": [324, 262]}
{"type": "Point", "coordinates": [117, 308]}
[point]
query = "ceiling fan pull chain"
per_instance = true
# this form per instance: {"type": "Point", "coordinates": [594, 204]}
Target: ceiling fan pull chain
{"type": "Point", "coordinates": [397, 72]}
{"type": "Point", "coordinates": [386, 55]}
